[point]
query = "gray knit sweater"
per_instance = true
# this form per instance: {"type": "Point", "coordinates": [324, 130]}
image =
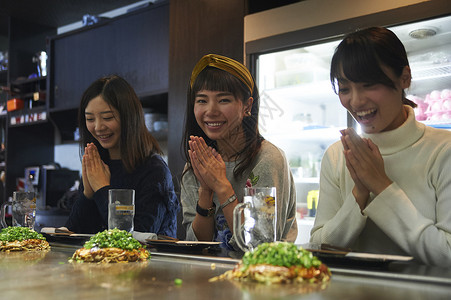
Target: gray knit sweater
{"type": "Point", "coordinates": [272, 169]}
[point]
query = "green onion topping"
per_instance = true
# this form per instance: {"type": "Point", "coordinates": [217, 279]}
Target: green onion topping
{"type": "Point", "coordinates": [280, 254]}
{"type": "Point", "coordinates": [11, 234]}
{"type": "Point", "coordinates": [113, 238]}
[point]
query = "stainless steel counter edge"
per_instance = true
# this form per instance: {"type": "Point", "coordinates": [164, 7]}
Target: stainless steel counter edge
{"type": "Point", "coordinates": [388, 275]}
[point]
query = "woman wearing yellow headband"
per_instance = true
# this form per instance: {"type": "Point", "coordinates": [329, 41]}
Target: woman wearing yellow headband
{"type": "Point", "coordinates": [225, 152]}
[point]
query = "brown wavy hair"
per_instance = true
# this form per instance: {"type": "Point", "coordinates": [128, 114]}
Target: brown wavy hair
{"type": "Point", "coordinates": [215, 79]}
{"type": "Point", "coordinates": [119, 94]}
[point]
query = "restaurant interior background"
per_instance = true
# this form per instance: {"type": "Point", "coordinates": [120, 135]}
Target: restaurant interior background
{"type": "Point", "coordinates": [240, 29]}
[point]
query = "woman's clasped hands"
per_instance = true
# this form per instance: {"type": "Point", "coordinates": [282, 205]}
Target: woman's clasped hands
{"type": "Point", "coordinates": [365, 164]}
{"type": "Point", "coordinates": [208, 165]}
{"type": "Point", "coordinates": [96, 173]}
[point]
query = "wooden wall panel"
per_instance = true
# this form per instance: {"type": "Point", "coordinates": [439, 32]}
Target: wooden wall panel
{"type": "Point", "coordinates": [197, 27]}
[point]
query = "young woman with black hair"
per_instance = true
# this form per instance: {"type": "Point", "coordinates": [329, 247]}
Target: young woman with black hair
{"type": "Point", "coordinates": [224, 150]}
{"type": "Point", "coordinates": [388, 190]}
{"type": "Point", "coordinates": [120, 153]}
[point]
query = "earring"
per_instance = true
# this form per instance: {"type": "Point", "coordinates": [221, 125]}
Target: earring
{"type": "Point", "coordinates": [248, 113]}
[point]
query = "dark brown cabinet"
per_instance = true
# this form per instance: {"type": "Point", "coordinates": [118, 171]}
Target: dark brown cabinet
{"type": "Point", "coordinates": [134, 46]}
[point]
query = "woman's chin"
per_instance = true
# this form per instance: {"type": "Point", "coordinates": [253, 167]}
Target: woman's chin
{"type": "Point", "coordinates": [369, 129]}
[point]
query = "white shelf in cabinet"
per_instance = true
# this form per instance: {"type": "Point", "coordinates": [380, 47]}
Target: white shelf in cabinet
{"type": "Point", "coordinates": [295, 109]}
{"type": "Point", "coordinates": [432, 71]}
{"type": "Point", "coordinates": [429, 77]}
{"type": "Point", "coordinates": [316, 93]}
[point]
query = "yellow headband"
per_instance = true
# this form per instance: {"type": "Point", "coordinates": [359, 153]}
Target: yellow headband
{"type": "Point", "coordinates": [226, 64]}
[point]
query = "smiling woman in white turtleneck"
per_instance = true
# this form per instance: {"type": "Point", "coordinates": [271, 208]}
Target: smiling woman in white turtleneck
{"type": "Point", "coordinates": [388, 191]}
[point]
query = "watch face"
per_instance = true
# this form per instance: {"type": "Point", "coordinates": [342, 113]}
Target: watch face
{"type": "Point", "coordinates": [206, 212]}
{"type": "Point", "coordinates": [211, 211]}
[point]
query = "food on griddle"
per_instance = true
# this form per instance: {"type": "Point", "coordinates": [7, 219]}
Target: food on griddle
{"type": "Point", "coordinates": [22, 239]}
{"type": "Point", "coordinates": [278, 262]}
{"type": "Point", "coordinates": [111, 246]}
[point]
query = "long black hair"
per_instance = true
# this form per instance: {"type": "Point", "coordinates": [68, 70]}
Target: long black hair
{"type": "Point", "coordinates": [136, 141]}
{"type": "Point", "coordinates": [361, 54]}
{"type": "Point", "coordinates": [215, 79]}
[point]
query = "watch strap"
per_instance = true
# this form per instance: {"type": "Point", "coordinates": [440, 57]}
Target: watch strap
{"type": "Point", "coordinates": [206, 212]}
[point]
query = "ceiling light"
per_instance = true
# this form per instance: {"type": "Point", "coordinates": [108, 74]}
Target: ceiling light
{"type": "Point", "coordinates": [423, 33]}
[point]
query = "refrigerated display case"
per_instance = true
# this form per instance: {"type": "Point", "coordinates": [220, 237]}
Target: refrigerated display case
{"type": "Point", "coordinates": [428, 45]}
{"type": "Point", "coordinates": [301, 114]}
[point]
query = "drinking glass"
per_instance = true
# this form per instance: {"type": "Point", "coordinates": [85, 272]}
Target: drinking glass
{"type": "Point", "coordinates": [24, 209]}
{"type": "Point", "coordinates": [121, 209]}
{"type": "Point", "coordinates": [259, 211]}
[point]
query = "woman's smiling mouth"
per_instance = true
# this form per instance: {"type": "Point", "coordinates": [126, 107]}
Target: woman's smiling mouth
{"type": "Point", "coordinates": [366, 114]}
{"type": "Point", "coordinates": [214, 124]}
{"type": "Point", "coordinates": [105, 136]}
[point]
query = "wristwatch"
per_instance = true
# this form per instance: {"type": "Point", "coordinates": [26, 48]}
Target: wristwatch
{"type": "Point", "coordinates": [206, 212]}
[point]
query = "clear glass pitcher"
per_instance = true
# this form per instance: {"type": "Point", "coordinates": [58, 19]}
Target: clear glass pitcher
{"type": "Point", "coordinates": [2, 214]}
{"type": "Point", "coordinates": [254, 220]}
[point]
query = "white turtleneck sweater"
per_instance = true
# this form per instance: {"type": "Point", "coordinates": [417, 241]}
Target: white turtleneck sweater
{"type": "Point", "coordinates": [412, 216]}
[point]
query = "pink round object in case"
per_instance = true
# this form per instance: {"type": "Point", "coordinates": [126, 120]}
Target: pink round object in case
{"type": "Point", "coordinates": [436, 106]}
{"type": "Point", "coordinates": [420, 110]}
{"type": "Point", "coordinates": [435, 117]}
{"type": "Point", "coordinates": [446, 104]}
{"type": "Point", "coordinates": [445, 94]}
{"type": "Point", "coordinates": [435, 95]}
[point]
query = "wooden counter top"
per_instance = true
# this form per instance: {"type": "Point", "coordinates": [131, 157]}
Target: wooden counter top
{"type": "Point", "coordinates": [50, 276]}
